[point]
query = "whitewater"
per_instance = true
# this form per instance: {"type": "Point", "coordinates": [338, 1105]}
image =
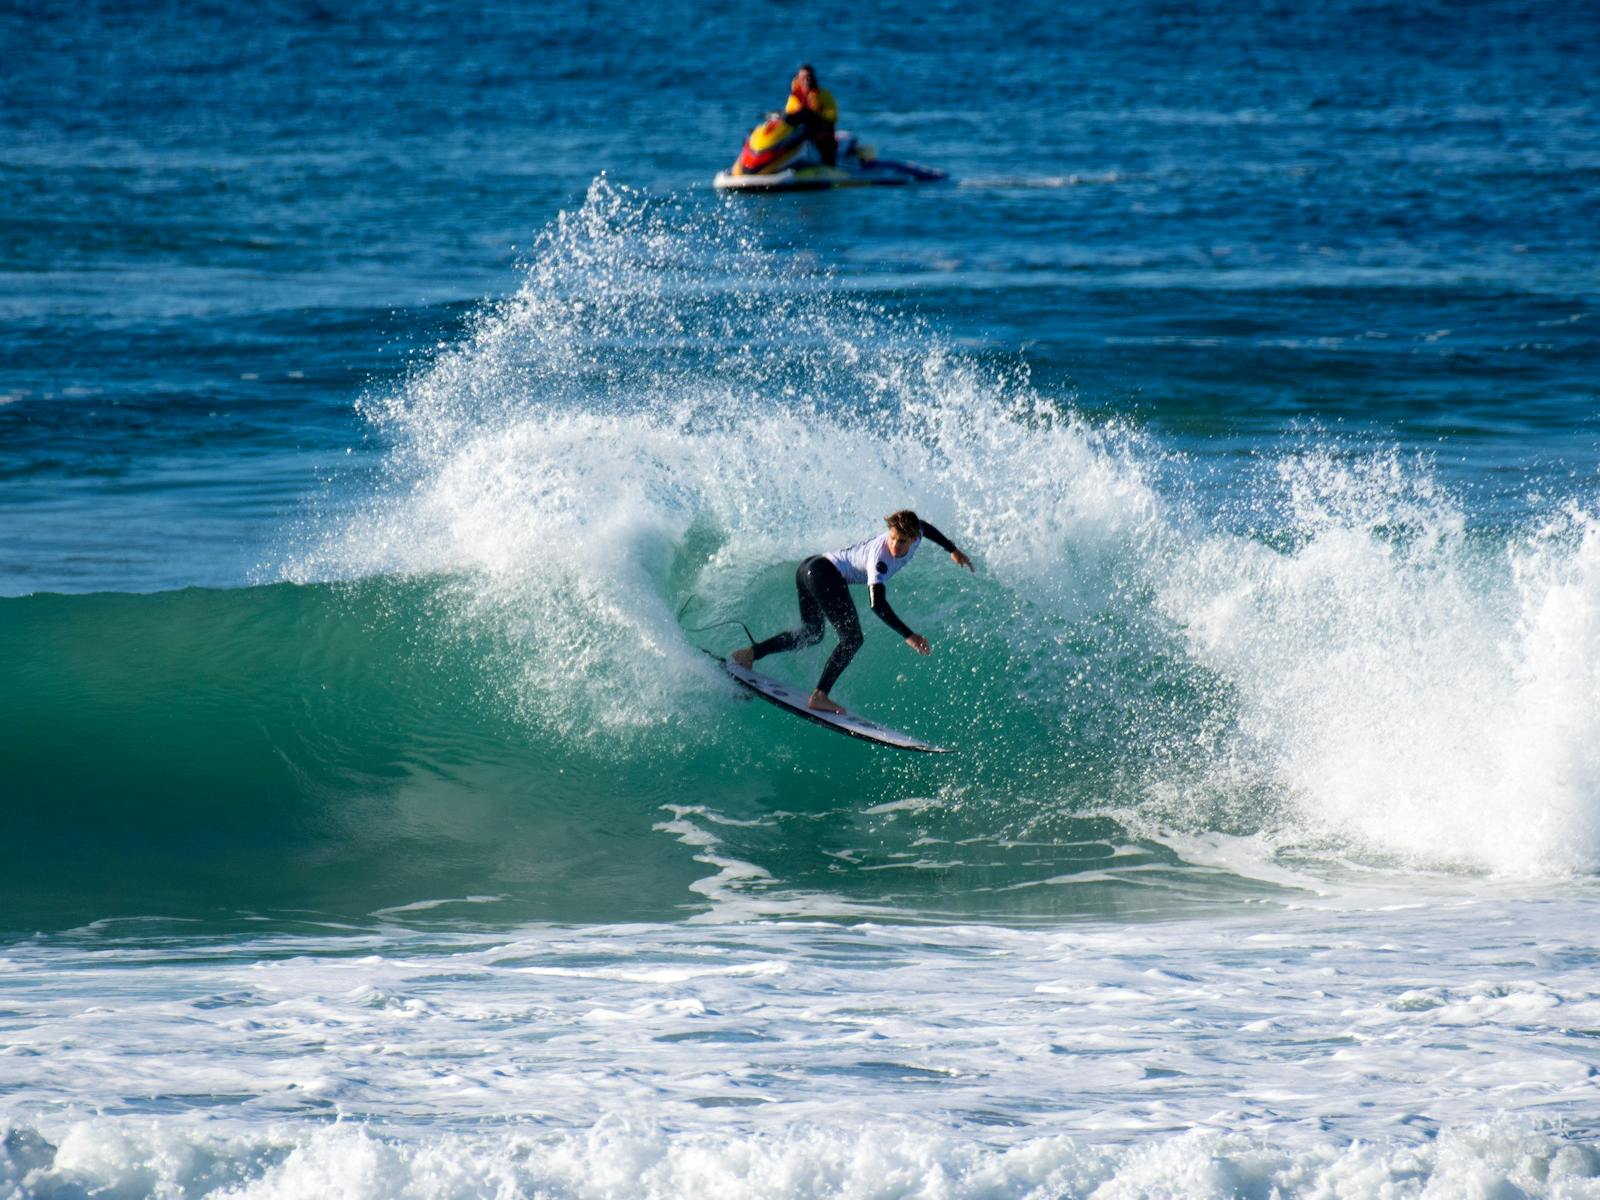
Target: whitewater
{"type": "Point", "coordinates": [1308, 1054]}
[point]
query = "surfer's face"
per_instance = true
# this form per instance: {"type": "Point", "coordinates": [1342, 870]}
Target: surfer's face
{"type": "Point", "coordinates": [899, 543]}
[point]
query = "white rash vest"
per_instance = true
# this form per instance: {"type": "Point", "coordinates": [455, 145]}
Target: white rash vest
{"type": "Point", "coordinates": [870, 562]}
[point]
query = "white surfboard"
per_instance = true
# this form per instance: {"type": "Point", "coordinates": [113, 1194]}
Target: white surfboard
{"type": "Point", "coordinates": [794, 700]}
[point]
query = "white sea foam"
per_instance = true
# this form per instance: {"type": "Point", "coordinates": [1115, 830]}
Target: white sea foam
{"type": "Point", "coordinates": [1447, 1051]}
{"type": "Point", "coordinates": [807, 1162]}
{"type": "Point", "coordinates": [430, 905]}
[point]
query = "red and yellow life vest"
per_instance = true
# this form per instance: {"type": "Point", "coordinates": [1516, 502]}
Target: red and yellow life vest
{"type": "Point", "coordinates": [818, 100]}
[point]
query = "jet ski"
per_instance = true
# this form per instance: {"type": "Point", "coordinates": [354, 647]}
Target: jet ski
{"type": "Point", "coordinates": [779, 157]}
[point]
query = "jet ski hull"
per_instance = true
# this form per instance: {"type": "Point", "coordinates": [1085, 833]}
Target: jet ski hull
{"type": "Point", "coordinates": [778, 157]}
{"type": "Point", "coordinates": [817, 178]}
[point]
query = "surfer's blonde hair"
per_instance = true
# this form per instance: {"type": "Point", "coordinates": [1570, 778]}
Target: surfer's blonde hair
{"type": "Point", "coordinates": [905, 522]}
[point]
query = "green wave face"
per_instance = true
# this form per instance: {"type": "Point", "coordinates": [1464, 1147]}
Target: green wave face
{"type": "Point", "coordinates": [345, 749]}
{"type": "Point", "coordinates": [206, 752]}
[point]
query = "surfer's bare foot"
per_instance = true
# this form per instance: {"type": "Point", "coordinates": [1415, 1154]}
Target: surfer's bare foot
{"type": "Point", "coordinates": [820, 702]}
{"type": "Point", "coordinates": [746, 658]}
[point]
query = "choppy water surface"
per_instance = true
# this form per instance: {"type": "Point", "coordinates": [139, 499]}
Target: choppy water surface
{"type": "Point", "coordinates": [378, 387]}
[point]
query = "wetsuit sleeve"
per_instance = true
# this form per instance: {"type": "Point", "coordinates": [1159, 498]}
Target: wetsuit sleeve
{"type": "Point", "coordinates": [937, 538]}
{"type": "Point", "coordinates": [880, 605]}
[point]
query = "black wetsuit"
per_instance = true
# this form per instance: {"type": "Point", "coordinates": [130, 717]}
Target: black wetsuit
{"type": "Point", "coordinates": [825, 595]}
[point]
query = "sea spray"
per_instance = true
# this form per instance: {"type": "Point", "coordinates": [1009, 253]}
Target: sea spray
{"type": "Point", "coordinates": [1415, 688]}
{"type": "Point", "coordinates": [662, 413]}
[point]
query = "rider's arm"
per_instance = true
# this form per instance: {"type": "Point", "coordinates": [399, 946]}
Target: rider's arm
{"type": "Point", "coordinates": [938, 539]}
{"type": "Point", "coordinates": [879, 596]}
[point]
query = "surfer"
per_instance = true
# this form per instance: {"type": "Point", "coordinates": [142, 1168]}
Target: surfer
{"type": "Point", "coordinates": [822, 580]}
{"type": "Point", "coordinates": [812, 108]}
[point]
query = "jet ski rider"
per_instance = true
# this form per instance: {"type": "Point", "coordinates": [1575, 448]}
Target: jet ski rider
{"type": "Point", "coordinates": [812, 108]}
{"type": "Point", "coordinates": [821, 583]}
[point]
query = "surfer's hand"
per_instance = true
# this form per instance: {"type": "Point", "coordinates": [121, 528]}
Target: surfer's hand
{"type": "Point", "coordinates": [961, 560]}
{"type": "Point", "coordinates": [919, 643]}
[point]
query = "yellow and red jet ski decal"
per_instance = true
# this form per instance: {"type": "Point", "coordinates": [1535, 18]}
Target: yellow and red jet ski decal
{"type": "Point", "coordinates": [771, 147]}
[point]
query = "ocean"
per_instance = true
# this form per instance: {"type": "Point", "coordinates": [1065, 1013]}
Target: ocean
{"type": "Point", "coordinates": [392, 415]}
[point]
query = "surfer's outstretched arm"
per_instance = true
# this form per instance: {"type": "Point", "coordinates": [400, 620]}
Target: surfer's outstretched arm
{"type": "Point", "coordinates": [945, 544]}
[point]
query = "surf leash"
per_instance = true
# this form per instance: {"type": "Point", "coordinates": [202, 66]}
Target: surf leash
{"type": "Point", "coordinates": [714, 624]}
